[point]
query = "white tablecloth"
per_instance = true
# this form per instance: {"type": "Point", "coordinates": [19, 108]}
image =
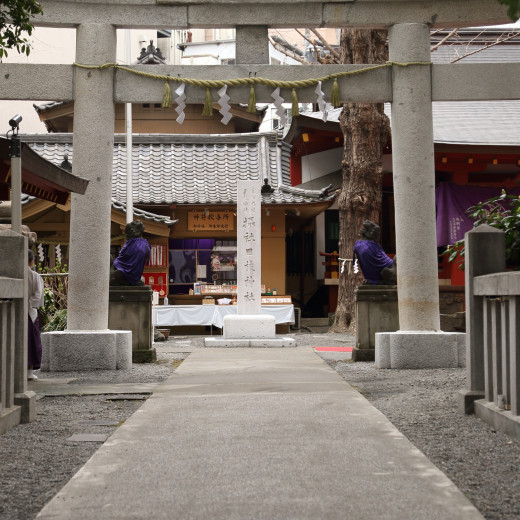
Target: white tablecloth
{"type": "Point", "coordinates": [175, 315]}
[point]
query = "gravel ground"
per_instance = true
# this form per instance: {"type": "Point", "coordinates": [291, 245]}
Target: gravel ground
{"type": "Point", "coordinates": [483, 463]}
{"type": "Point", "coordinates": [37, 460]}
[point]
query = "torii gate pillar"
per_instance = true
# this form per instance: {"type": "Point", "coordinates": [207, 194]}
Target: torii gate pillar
{"type": "Point", "coordinates": [419, 343]}
{"type": "Point", "coordinates": [93, 159]}
{"type": "Point", "coordinates": [87, 343]}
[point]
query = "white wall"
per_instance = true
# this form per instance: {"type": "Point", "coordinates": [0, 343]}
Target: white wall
{"type": "Point", "coordinates": [58, 46]}
{"type": "Point", "coordinates": [318, 164]}
{"type": "Point", "coordinates": [49, 45]}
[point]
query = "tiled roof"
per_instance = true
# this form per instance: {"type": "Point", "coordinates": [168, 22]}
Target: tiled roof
{"type": "Point", "coordinates": [192, 169]}
{"type": "Point", "coordinates": [142, 214]}
{"type": "Point", "coordinates": [47, 106]}
{"type": "Point", "coordinates": [501, 53]}
{"type": "Point", "coordinates": [476, 123]}
{"type": "Point", "coordinates": [121, 206]}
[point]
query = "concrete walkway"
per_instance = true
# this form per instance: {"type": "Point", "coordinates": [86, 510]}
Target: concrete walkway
{"type": "Point", "coordinates": [258, 434]}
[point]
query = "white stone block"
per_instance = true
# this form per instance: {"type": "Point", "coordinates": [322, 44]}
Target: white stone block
{"type": "Point", "coordinates": [245, 326]}
{"type": "Point", "coordinates": [272, 343]}
{"type": "Point", "coordinates": [461, 348]}
{"type": "Point", "coordinates": [419, 349]}
{"type": "Point", "coordinates": [123, 349]}
{"type": "Point", "coordinates": [66, 351]}
{"type": "Point", "coordinates": [46, 343]}
{"type": "Point", "coordinates": [220, 342]}
{"type": "Point", "coordinates": [382, 355]}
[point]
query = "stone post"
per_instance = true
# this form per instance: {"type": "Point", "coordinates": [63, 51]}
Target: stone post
{"type": "Point", "coordinates": [249, 327]}
{"type": "Point", "coordinates": [249, 323]}
{"type": "Point", "coordinates": [93, 159]}
{"type": "Point", "coordinates": [485, 253]}
{"type": "Point", "coordinates": [419, 342]}
{"type": "Point", "coordinates": [252, 44]}
{"type": "Point", "coordinates": [414, 179]}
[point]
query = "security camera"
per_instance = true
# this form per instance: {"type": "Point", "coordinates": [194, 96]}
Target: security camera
{"type": "Point", "coordinates": [15, 121]}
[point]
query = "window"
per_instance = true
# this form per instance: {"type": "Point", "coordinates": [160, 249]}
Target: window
{"type": "Point", "coordinates": [331, 230]}
{"type": "Point", "coordinates": [201, 260]}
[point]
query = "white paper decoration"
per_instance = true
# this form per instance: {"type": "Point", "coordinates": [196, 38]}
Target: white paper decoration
{"type": "Point", "coordinates": [224, 105]}
{"type": "Point", "coordinates": [278, 101]}
{"type": "Point", "coordinates": [321, 102]}
{"type": "Point", "coordinates": [41, 253]}
{"type": "Point", "coordinates": [181, 105]}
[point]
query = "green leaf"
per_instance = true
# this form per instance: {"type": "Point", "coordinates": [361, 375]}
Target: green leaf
{"type": "Point", "coordinates": [15, 19]}
{"type": "Point", "coordinates": [453, 256]}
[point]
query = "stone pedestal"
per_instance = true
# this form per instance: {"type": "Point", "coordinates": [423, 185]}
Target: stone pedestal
{"type": "Point", "coordinates": [419, 349]}
{"type": "Point", "coordinates": [130, 308]}
{"type": "Point", "coordinates": [259, 326]}
{"type": "Point", "coordinates": [66, 351]}
{"type": "Point", "coordinates": [376, 311]}
{"type": "Point", "coordinates": [255, 330]}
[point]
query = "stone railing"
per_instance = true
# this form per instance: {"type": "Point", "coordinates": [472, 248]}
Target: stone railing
{"type": "Point", "coordinates": [10, 289]}
{"type": "Point", "coordinates": [493, 333]}
{"type": "Point", "coordinates": [16, 403]}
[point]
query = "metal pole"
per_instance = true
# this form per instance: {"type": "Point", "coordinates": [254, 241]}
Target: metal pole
{"type": "Point", "coordinates": [128, 118]}
{"type": "Point", "coordinates": [16, 184]}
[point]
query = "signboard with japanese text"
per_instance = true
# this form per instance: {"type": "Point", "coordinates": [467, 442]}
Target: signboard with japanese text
{"type": "Point", "coordinates": [249, 248]}
{"type": "Point", "coordinates": [210, 220]}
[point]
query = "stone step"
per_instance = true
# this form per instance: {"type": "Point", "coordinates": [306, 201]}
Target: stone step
{"type": "Point", "coordinates": [316, 330]}
{"type": "Point", "coordinates": [315, 322]}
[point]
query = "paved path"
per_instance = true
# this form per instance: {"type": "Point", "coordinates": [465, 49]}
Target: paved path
{"type": "Point", "coordinates": [258, 434]}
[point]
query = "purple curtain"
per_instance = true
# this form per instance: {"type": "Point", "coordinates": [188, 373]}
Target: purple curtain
{"type": "Point", "coordinates": [452, 201]}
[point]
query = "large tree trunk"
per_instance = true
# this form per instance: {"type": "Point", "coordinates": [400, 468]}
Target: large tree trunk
{"type": "Point", "coordinates": [365, 130]}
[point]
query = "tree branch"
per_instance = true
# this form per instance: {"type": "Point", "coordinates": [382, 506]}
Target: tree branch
{"type": "Point", "coordinates": [449, 35]}
{"type": "Point", "coordinates": [499, 41]}
{"type": "Point", "coordinates": [283, 50]}
{"type": "Point", "coordinates": [334, 53]}
{"type": "Point", "coordinates": [313, 43]}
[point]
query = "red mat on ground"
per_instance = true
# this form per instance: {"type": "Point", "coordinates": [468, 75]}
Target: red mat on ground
{"type": "Point", "coordinates": [334, 349]}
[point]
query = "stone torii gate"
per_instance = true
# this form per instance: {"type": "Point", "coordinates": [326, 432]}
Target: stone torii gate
{"type": "Point", "coordinates": [410, 89]}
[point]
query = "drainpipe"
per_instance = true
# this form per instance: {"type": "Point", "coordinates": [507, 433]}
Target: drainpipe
{"type": "Point", "coordinates": [264, 160]}
{"type": "Point", "coordinates": [128, 125]}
